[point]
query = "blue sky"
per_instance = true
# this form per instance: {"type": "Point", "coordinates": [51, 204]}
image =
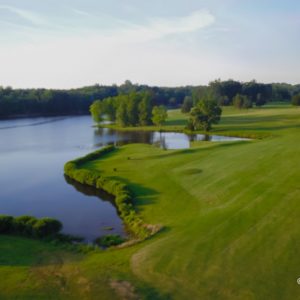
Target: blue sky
{"type": "Point", "coordinates": [63, 44]}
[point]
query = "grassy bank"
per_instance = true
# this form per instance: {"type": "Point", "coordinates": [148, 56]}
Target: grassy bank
{"type": "Point", "coordinates": [230, 212]}
{"type": "Point", "coordinates": [124, 198]}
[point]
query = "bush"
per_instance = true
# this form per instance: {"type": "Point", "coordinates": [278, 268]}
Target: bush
{"type": "Point", "coordinates": [31, 226]}
{"type": "Point", "coordinates": [46, 226]}
{"type": "Point", "coordinates": [6, 224]}
{"type": "Point", "coordinates": [24, 225]}
{"type": "Point", "coordinates": [109, 240]}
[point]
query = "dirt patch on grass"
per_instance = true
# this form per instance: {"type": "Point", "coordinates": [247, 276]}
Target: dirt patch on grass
{"type": "Point", "coordinates": [124, 289]}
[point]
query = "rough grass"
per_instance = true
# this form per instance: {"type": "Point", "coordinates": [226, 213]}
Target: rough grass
{"type": "Point", "coordinates": [230, 211]}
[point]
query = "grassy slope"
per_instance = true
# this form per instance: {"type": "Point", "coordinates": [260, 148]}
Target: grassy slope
{"type": "Point", "coordinates": [233, 224]}
{"type": "Point", "coordinates": [231, 213]}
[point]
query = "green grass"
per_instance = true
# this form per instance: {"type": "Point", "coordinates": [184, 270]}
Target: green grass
{"type": "Point", "coordinates": [231, 216]}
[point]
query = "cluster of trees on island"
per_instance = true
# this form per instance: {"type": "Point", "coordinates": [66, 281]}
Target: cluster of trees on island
{"type": "Point", "coordinates": [137, 109]}
{"type": "Point", "coordinates": [133, 109]}
{"type": "Point", "coordinates": [20, 102]}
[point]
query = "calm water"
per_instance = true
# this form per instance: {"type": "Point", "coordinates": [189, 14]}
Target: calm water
{"type": "Point", "coordinates": [32, 156]}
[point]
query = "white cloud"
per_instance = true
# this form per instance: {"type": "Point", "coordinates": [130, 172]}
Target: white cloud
{"type": "Point", "coordinates": [81, 12]}
{"type": "Point", "coordinates": [25, 14]}
{"type": "Point", "coordinates": [159, 28]}
{"type": "Point", "coordinates": [137, 52]}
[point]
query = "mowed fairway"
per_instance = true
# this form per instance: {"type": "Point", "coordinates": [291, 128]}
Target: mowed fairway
{"type": "Point", "coordinates": [230, 211]}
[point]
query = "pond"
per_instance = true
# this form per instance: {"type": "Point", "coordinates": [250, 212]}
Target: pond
{"type": "Point", "coordinates": [32, 155]}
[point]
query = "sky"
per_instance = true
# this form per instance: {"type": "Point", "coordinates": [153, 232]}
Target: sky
{"type": "Point", "coordinates": [74, 43]}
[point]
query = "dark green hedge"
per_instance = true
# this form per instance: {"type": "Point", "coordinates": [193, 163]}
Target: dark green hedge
{"type": "Point", "coordinates": [29, 226]}
{"type": "Point", "coordinates": [123, 196]}
{"type": "Point", "coordinates": [109, 240]}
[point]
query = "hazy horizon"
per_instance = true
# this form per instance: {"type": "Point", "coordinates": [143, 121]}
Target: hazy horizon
{"type": "Point", "coordinates": [140, 84]}
{"type": "Point", "coordinates": [70, 44]}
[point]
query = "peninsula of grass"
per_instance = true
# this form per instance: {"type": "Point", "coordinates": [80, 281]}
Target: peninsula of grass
{"type": "Point", "coordinates": [76, 170]}
{"type": "Point", "coordinates": [230, 213]}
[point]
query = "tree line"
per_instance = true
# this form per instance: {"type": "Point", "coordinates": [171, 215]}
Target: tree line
{"type": "Point", "coordinates": [14, 102]}
{"type": "Point", "coordinates": [30, 102]}
{"type": "Point", "coordinates": [247, 94]}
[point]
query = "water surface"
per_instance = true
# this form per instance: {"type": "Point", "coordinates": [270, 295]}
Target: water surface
{"type": "Point", "coordinates": [32, 155]}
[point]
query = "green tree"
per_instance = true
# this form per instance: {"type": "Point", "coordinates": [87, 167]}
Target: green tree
{"type": "Point", "coordinates": [296, 99]}
{"type": "Point", "coordinates": [242, 101]}
{"type": "Point", "coordinates": [6, 224]}
{"type": "Point", "coordinates": [121, 114]}
{"type": "Point", "coordinates": [145, 109]}
{"type": "Point", "coordinates": [206, 113]}
{"type": "Point", "coordinates": [187, 104]}
{"type": "Point", "coordinates": [110, 108]}
{"type": "Point", "coordinates": [132, 103]}
{"type": "Point", "coordinates": [159, 115]}
{"type": "Point", "coordinates": [96, 110]}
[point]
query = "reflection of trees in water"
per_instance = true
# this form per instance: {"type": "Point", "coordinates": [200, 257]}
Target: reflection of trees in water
{"type": "Point", "coordinates": [193, 137]}
{"type": "Point", "coordinates": [164, 140]}
{"type": "Point", "coordinates": [90, 191]}
{"type": "Point", "coordinates": [107, 136]}
{"type": "Point", "coordinates": [103, 196]}
{"type": "Point", "coordinates": [161, 141]}
{"type": "Point", "coordinates": [199, 137]}
{"type": "Point", "coordinates": [104, 136]}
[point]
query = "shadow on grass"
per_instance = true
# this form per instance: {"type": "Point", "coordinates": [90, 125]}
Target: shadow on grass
{"type": "Point", "coordinates": [142, 195]}
{"type": "Point", "coordinates": [258, 130]}
{"type": "Point", "coordinates": [251, 119]}
{"type": "Point", "coordinates": [150, 293]}
{"type": "Point", "coordinates": [22, 251]}
{"type": "Point", "coordinates": [180, 122]}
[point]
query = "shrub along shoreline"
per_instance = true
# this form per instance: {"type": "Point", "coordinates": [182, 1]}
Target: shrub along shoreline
{"type": "Point", "coordinates": [30, 226]}
{"type": "Point", "coordinates": [138, 230]}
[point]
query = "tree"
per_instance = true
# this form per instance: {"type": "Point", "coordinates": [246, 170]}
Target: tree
{"type": "Point", "coordinates": [259, 93]}
{"type": "Point", "coordinates": [187, 104]}
{"type": "Point", "coordinates": [242, 101]}
{"type": "Point", "coordinates": [109, 106]}
{"type": "Point", "coordinates": [121, 114]}
{"type": "Point", "coordinates": [296, 99]}
{"type": "Point", "coordinates": [281, 92]}
{"type": "Point", "coordinates": [225, 90]}
{"type": "Point", "coordinates": [159, 115]}
{"type": "Point", "coordinates": [206, 113]}
{"type": "Point", "coordinates": [6, 224]}
{"type": "Point", "coordinates": [145, 109]}
{"type": "Point", "coordinates": [132, 103]}
{"type": "Point", "coordinates": [96, 110]}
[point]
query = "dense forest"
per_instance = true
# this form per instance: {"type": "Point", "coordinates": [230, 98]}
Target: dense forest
{"type": "Point", "coordinates": [29, 102]}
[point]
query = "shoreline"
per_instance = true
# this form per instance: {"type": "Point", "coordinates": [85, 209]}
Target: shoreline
{"type": "Point", "coordinates": [179, 129]}
{"type": "Point", "coordinates": [18, 117]}
{"type": "Point", "coordinates": [123, 197]}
